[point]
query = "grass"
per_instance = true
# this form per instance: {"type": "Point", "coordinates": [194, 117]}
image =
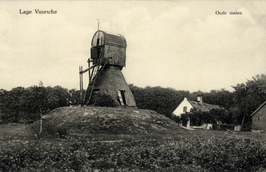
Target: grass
{"type": "Point", "coordinates": [182, 150]}
{"type": "Point", "coordinates": [16, 131]}
{"type": "Point", "coordinates": [12, 131]}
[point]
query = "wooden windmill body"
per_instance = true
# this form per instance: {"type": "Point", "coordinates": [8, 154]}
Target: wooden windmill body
{"type": "Point", "coordinates": [108, 57]}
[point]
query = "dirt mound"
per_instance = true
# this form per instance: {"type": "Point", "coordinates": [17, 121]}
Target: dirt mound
{"type": "Point", "coordinates": [105, 120]}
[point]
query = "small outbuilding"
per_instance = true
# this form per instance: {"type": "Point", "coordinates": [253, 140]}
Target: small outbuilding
{"type": "Point", "coordinates": [259, 119]}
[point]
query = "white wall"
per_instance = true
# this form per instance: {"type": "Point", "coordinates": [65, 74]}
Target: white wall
{"type": "Point", "coordinates": [179, 110]}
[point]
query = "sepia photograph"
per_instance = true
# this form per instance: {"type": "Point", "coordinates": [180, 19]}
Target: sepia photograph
{"type": "Point", "coordinates": [165, 85]}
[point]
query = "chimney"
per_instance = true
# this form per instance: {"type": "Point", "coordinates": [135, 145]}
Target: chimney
{"type": "Point", "coordinates": [199, 98]}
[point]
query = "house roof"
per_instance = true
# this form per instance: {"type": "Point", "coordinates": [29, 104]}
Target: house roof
{"type": "Point", "coordinates": [258, 108]}
{"type": "Point", "coordinates": [203, 106]}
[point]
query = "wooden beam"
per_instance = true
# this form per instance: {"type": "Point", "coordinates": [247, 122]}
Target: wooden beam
{"type": "Point", "coordinates": [80, 81]}
{"type": "Point", "coordinates": [81, 72]}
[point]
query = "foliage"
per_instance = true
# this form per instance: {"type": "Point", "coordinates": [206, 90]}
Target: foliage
{"type": "Point", "coordinates": [184, 119]}
{"type": "Point", "coordinates": [197, 118]}
{"type": "Point", "coordinates": [229, 153]}
{"type": "Point", "coordinates": [221, 97]}
{"type": "Point", "coordinates": [74, 97]}
{"type": "Point", "coordinates": [221, 115]}
{"type": "Point", "coordinates": [238, 105]}
{"type": "Point", "coordinates": [249, 96]}
{"type": "Point", "coordinates": [56, 97]}
{"type": "Point", "coordinates": [10, 104]}
{"type": "Point", "coordinates": [34, 99]}
{"type": "Point", "coordinates": [28, 103]}
{"type": "Point", "coordinates": [246, 126]}
{"type": "Point", "coordinates": [49, 129]}
{"type": "Point", "coordinates": [177, 119]}
{"type": "Point", "coordinates": [161, 100]}
{"type": "Point", "coordinates": [104, 100]}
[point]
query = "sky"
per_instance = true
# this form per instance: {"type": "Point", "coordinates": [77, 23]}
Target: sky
{"type": "Point", "coordinates": [185, 45]}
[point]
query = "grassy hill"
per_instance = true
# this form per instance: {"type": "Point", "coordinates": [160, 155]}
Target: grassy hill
{"type": "Point", "coordinates": [126, 139]}
{"type": "Point", "coordinates": [108, 120]}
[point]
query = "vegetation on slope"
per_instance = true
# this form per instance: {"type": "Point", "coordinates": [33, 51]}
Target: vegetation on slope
{"type": "Point", "coordinates": [181, 150]}
{"type": "Point", "coordinates": [105, 120]}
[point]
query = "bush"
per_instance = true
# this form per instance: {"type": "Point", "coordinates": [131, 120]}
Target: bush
{"type": "Point", "coordinates": [49, 129]}
{"type": "Point", "coordinates": [246, 126]}
{"type": "Point", "coordinates": [177, 119]}
{"type": "Point", "coordinates": [184, 119]}
{"type": "Point", "coordinates": [105, 100]}
{"type": "Point", "coordinates": [229, 153]}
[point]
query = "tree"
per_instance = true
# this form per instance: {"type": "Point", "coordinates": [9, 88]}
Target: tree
{"type": "Point", "coordinates": [34, 101]}
{"type": "Point", "coordinates": [221, 97]}
{"type": "Point", "coordinates": [74, 97]}
{"type": "Point", "coordinates": [27, 104]}
{"type": "Point", "coordinates": [197, 117]}
{"type": "Point", "coordinates": [56, 97]}
{"type": "Point", "coordinates": [161, 100]}
{"type": "Point", "coordinates": [249, 96]}
{"type": "Point", "coordinates": [10, 104]}
{"type": "Point", "coordinates": [221, 115]}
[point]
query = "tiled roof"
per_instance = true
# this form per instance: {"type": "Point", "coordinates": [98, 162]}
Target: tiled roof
{"type": "Point", "coordinates": [204, 106]}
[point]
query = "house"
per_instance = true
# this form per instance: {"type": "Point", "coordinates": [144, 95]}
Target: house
{"type": "Point", "coordinates": [259, 119]}
{"type": "Point", "coordinates": [186, 106]}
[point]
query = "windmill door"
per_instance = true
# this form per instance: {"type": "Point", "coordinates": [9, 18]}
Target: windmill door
{"type": "Point", "coordinates": [121, 97]}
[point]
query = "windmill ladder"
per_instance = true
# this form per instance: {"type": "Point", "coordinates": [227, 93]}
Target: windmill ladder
{"type": "Point", "coordinates": [94, 79]}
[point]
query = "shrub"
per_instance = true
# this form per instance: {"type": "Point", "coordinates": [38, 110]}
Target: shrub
{"type": "Point", "coordinates": [246, 126]}
{"type": "Point", "coordinates": [229, 153]}
{"type": "Point", "coordinates": [184, 119]}
{"type": "Point", "coordinates": [106, 100]}
{"type": "Point", "coordinates": [50, 129]}
{"type": "Point", "coordinates": [177, 119]}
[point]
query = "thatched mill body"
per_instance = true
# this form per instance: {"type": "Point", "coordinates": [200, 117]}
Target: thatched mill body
{"type": "Point", "coordinates": [108, 57]}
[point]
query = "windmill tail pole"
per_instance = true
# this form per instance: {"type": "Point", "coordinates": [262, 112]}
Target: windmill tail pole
{"type": "Point", "coordinates": [81, 82]}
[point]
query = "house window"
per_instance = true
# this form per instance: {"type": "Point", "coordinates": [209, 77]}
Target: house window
{"type": "Point", "coordinates": [184, 109]}
{"type": "Point", "coordinates": [258, 118]}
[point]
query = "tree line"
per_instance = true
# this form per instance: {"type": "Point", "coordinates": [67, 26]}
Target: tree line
{"type": "Point", "coordinates": [26, 104]}
{"type": "Point", "coordinates": [238, 104]}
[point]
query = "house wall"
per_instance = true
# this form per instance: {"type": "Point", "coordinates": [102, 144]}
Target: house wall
{"type": "Point", "coordinates": [179, 110]}
{"type": "Point", "coordinates": [259, 119]}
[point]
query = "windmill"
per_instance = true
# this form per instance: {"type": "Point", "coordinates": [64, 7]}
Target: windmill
{"type": "Point", "coordinates": [108, 57]}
